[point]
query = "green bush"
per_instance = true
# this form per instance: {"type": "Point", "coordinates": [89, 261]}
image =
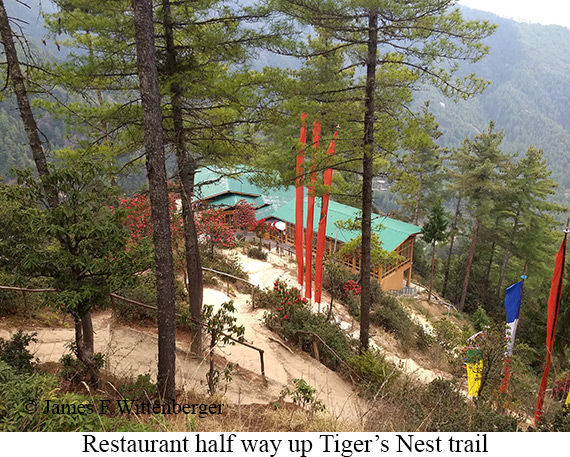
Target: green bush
{"type": "Point", "coordinates": [303, 395]}
{"type": "Point", "coordinates": [143, 290]}
{"type": "Point", "coordinates": [15, 351]}
{"type": "Point", "coordinates": [480, 319]}
{"type": "Point", "coordinates": [74, 370]}
{"type": "Point", "coordinates": [376, 374]}
{"type": "Point", "coordinates": [143, 389]}
{"type": "Point", "coordinates": [440, 407]}
{"type": "Point", "coordinates": [256, 252]}
{"type": "Point", "coordinates": [229, 264]}
{"type": "Point", "coordinates": [447, 334]}
{"type": "Point", "coordinates": [12, 302]}
{"type": "Point", "coordinates": [289, 315]}
{"type": "Point", "coordinates": [389, 314]}
{"type": "Point", "coordinates": [24, 407]}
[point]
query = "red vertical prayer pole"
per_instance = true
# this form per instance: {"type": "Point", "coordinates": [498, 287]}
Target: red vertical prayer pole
{"type": "Point", "coordinates": [321, 237]}
{"type": "Point", "coordinates": [299, 201]}
{"type": "Point", "coordinates": [552, 319]}
{"type": "Point", "coordinates": [311, 212]}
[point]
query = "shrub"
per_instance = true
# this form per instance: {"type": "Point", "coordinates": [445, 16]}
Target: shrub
{"type": "Point", "coordinates": [12, 302]}
{"type": "Point", "coordinates": [480, 319]}
{"type": "Point", "coordinates": [376, 374]}
{"type": "Point", "coordinates": [15, 351]}
{"type": "Point", "coordinates": [561, 386]}
{"type": "Point", "coordinates": [256, 252]}
{"type": "Point", "coordinates": [23, 402]}
{"type": "Point", "coordinates": [447, 334]}
{"type": "Point", "coordinates": [335, 277]}
{"type": "Point", "coordinates": [142, 389]}
{"type": "Point", "coordinates": [440, 407]}
{"type": "Point", "coordinates": [303, 395]}
{"type": "Point", "coordinates": [226, 264]}
{"type": "Point", "coordinates": [143, 290]}
{"type": "Point", "coordinates": [389, 314]}
{"type": "Point", "coordinates": [289, 315]}
{"type": "Point", "coordinates": [74, 370]}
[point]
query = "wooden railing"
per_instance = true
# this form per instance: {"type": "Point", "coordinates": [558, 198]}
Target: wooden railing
{"type": "Point", "coordinates": [154, 308]}
{"type": "Point", "coordinates": [113, 297]}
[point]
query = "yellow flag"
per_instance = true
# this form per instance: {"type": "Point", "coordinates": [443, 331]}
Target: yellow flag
{"type": "Point", "coordinates": [474, 371]}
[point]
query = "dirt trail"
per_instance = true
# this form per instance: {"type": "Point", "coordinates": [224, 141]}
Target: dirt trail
{"type": "Point", "coordinates": [130, 352]}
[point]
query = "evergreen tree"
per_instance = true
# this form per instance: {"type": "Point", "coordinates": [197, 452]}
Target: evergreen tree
{"type": "Point", "coordinates": [421, 182]}
{"type": "Point", "coordinates": [156, 173]}
{"type": "Point", "coordinates": [433, 232]}
{"type": "Point", "coordinates": [405, 41]}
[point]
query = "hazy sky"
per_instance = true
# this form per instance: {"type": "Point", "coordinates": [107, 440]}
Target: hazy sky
{"type": "Point", "coordinates": [541, 11]}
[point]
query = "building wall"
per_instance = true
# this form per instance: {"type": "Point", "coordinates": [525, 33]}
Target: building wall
{"type": "Point", "coordinates": [390, 277]}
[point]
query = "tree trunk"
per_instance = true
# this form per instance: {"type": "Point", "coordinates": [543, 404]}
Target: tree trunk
{"type": "Point", "coordinates": [493, 246]}
{"type": "Point", "coordinates": [85, 347]}
{"type": "Point", "coordinates": [14, 72]}
{"type": "Point", "coordinates": [469, 263]}
{"type": "Point", "coordinates": [367, 175]}
{"type": "Point", "coordinates": [507, 258]}
{"type": "Point", "coordinates": [186, 173]}
{"type": "Point", "coordinates": [418, 202]}
{"type": "Point", "coordinates": [448, 262]}
{"type": "Point", "coordinates": [156, 173]}
{"type": "Point", "coordinates": [211, 383]}
{"type": "Point", "coordinates": [431, 275]}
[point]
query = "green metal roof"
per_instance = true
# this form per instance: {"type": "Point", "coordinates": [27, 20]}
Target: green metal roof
{"type": "Point", "coordinates": [233, 199]}
{"type": "Point", "coordinates": [223, 188]}
{"type": "Point", "coordinates": [392, 232]}
{"type": "Point", "coordinates": [212, 182]}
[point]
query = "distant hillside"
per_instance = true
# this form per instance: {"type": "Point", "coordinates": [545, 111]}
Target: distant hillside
{"type": "Point", "coordinates": [14, 148]}
{"type": "Point", "coordinates": [529, 97]}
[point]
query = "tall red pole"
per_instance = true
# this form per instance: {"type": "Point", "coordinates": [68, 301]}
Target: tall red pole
{"type": "Point", "coordinates": [321, 237]}
{"type": "Point", "coordinates": [311, 212]}
{"type": "Point", "coordinates": [299, 201]}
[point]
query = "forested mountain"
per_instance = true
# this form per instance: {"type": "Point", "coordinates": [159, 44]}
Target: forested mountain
{"type": "Point", "coordinates": [529, 96]}
{"type": "Point", "coordinates": [529, 67]}
{"type": "Point", "coordinates": [14, 148]}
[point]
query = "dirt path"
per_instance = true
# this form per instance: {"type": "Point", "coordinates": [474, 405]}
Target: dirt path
{"type": "Point", "coordinates": [130, 352]}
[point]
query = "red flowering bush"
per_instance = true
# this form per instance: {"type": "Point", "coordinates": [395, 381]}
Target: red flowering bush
{"type": "Point", "coordinates": [212, 229]}
{"type": "Point", "coordinates": [139, 221]}
{"type": "Point", "coordinates": [352, 287]}
{"type": "Point", "coordinates": [290, 316]}
{"type": "Point", "coordinates": [561, 387]}
{"type": "Point", "coordinates": [244, 216]}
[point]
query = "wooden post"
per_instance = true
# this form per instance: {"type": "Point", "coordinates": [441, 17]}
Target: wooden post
{"type": "Point", "coordinates": [262, 362]}
{"type": "Point", "coordinates": [25, 300]}
{"type": "Point", "coordinates": [316, 349]}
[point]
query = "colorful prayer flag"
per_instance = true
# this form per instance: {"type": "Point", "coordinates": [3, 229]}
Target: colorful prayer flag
{"type": "Point", "coordinates": [321, 236]}
{"type": "Point", "coordinates": [513, 297]}
{"type": "Point", "coordinates": [311, 212]}
{"type": "Point", "coordinates": [299, 201]}
{"type": "Point", "coordinates": [552, 318]}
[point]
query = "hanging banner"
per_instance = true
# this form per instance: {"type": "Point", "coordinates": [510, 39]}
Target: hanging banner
{"type": "Point", "coordinates": [299, 201]}
{"type": "Point", "coordinates": [513, 297]}
{"type": "Point", "coordinates": [474, 371]}
{"type": "Point", "coordinates": [321, 236]}
{"type": "Point", "coordinates": [311, 212]}
{"type": "Point", "coordinates": [552, 318]}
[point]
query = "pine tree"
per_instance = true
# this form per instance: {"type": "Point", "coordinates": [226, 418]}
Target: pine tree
{"type": "Point", "coordinates": [433, 232]}
{"type": "Point", "coordinates": [156, 172]}
{"type": "Point", "coordinates": [406, 40]}
{"type": "Point", "coordinates": [479, 172]}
